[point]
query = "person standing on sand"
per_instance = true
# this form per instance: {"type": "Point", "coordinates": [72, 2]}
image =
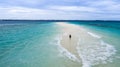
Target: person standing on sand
{"type": "Point", "coordinates": [70, 36]}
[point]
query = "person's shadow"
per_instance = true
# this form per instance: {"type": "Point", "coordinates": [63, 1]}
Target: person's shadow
{"type": "Point", "coordinates": [70, 37]}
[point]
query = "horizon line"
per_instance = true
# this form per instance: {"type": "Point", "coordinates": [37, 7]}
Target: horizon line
{"type": "Point", "coordinates": [50, 20]}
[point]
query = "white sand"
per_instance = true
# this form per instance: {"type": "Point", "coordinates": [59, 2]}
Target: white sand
{"type": "Point", "coordinates": [66, 42]}
{"type": "Point", "coordinates": [77, 32]}
{"type": "Point", "coordinates": [90, 47]}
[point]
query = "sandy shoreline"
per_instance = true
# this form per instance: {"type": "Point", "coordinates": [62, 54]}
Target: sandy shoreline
{"type": "Point", "coordinates": [86, 46]}
{"type": "Point", "coordinates": [66, 42]}
{"type": "Point", "coordinates": [77, 34]}
{"type": "Point", "coordinates": [70, 44]}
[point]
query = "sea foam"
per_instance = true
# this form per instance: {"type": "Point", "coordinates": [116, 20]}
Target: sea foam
{"type": "Point", "coordinates": [94, 35]}
{"type": "Point", "coordinates": [64, 51]}
{"type": "Point", "coordinates": [95, 54]}
{"type": "Point", "coordinates": [91, 52]}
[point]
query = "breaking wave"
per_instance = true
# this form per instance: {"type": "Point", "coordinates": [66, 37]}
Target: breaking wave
{"type": "Point", "coordinates": [95, 52]}
{"type": "Point", "coordinates": [91, 51]}
{"type": "Point", "coordinates": [94, 35]}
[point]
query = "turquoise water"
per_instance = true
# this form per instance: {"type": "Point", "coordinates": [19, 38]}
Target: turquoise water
{"type": "Point", "coordinates": [110, 33]}
{"type": "Point", "coordinates": [36, 44]}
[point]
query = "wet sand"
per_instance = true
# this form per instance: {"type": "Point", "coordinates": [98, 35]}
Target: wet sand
{"type": "Point", "coordinates": [70, 43]}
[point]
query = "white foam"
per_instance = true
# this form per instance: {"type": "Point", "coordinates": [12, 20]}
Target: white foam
{"type": "Point", "coordinates": [94, 35]}
{"type": "Point", "coordinates": [91, 52]}
{"type": "Point", "coordinates": [65, 52]}
{"type": "Point", "coordinates": [95, 54]}
{"type": "Point", "coordinates": [68, 54]}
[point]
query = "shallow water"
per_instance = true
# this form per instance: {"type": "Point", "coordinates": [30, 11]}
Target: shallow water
{"type": "Point", "coordinates": [24, 44]}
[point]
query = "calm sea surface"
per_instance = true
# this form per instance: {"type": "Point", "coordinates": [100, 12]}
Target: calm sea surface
{"type": "Point", "coordinates": [36, 44]}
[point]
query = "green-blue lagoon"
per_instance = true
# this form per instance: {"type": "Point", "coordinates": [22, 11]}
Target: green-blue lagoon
{"type": "Point", "coordinates": [38, 44]}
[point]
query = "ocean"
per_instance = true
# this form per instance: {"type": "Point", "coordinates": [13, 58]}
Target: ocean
{"type": "Point", "coordinates": [37, 44]}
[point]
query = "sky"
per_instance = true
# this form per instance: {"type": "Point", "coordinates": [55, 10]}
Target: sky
{"type": "Point", "coordinates": [60, 9]}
